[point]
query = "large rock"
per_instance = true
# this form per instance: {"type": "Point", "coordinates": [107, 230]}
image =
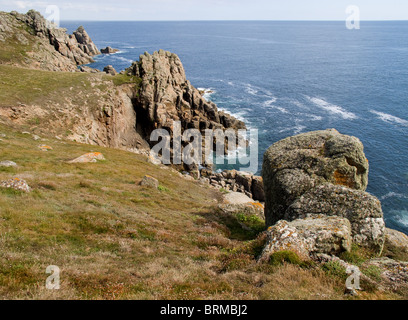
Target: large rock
{"type": "Point", "coordinates": [360, 208]}
{"type": "Point", "coordinates": [16, 184]}
{"type": "Point", "coordinates": [396, 239]}
{"type": "Point", "coordinates": [110, 70]}
{"type": "Point", "coordinates": [294, 165]}
{"type": "Point", "coordinates": [85, 43]}
{"type": "Point", "coordinates": [89, 158]}
{"type": "Point", "coordinates": [307, 237]}
{"type": "Point", "coordinates": [166, 95]}
{"type": "Point", "coordinates": [8, 163]}
{"type": "Point", "coordinates": [149, 181]}
{"type": "Point", "coordinates": [238, 203]}
{"type": "Point", "coordinates": [109, 50]}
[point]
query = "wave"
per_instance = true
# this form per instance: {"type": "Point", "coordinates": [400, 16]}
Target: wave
{"type": "Point", "coordinates": [299, 104]}
{"type": "Point", "coordinates": [297, 129]}
{"type": "Point", "coordinates": [332, 108]}
{"type": "Point", "coordinates": [208, 92]}
{"type": "Point", "coordinates": [122, 59]}
{"type": "Point", "coordinates": [390, 118]}
{"type": "Point", "coordinates": [393, 195]}
{"type": "Point", "coordinates": [251, 90]}
{"type": "Point", "coordinates": [400, 216]}
{"type": "Point", "coordinates": [238, 115]}
{"type": "Point", "coordinates": [269, 104]}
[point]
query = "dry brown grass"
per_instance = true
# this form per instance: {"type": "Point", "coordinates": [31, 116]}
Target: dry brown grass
{"type": "Point", "coordinates": [114, 239]}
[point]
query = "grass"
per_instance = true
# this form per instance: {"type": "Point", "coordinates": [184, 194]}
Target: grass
{"type": "Point", "coordinates": [121, 79]}
{"type": "Point", "coordinates": [26, 86]}
{"type": "Point", "coordinates": [113, 239]}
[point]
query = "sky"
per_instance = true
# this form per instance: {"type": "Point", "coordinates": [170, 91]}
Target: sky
{"type": "Point", "coordinates": [212, 9]}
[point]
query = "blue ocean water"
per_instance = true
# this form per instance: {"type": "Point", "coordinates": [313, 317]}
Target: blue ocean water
{"type": "Point", "coordinates": [284, 78]}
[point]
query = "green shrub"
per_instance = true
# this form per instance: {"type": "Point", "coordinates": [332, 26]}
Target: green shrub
{"type": "Point", "coordinates": [335, 269]}
{"type": "Point", "coordinates": [286, 256]}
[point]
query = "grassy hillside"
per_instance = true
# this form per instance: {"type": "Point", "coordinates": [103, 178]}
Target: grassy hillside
{"type": "Point", "coordinates": [113, 239]}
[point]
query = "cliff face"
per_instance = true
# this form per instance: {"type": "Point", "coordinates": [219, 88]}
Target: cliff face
{"type": "Point", "coordinates": [165, 95]}
{"type": "Point", "coordinates": [41, 45]}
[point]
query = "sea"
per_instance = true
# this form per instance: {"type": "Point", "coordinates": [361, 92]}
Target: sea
{"type": "Point", "coordinates": [285, 78]}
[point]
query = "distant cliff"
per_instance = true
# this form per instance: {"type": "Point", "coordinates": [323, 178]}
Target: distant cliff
{"type": "Point", "coordinates": [36, 43]}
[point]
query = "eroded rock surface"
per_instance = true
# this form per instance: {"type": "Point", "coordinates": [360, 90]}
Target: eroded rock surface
{"type": "Point", "coordinates": [297, 164]}
{"type": "Point", "coordinates": [309, 236]}
{"type": "Point", "coordinates": [324, 173]}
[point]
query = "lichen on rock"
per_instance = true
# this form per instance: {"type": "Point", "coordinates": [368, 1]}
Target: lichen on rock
{"type": "Point", "coordinates": [324, 173]}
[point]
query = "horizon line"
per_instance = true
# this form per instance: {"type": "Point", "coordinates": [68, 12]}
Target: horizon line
{"type": "Point", "coordinates": [236, 20]}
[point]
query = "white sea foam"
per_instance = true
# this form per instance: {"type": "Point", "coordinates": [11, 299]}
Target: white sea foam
{"type": "Point", "coordinates": [401, 217]}
{"type": "Point", "coordinates": [389, 118]}
{"type": "Point", "coordinates": [238, 115]}
{"type": "Point", "coordinates": [251, 90]}
{"type": "Point", "coordinates": [393, 195]}
{"type": "Point", "coordinates": [208, 92]}
{"type": "Point", "coordinates": [270, 105]}
{"type": "Point", "coordinates": [314, 117]}
{"type": "Point", "coordinates": [299, 129]}
{"type": "Point", "coordinates": [123, 59]}
{"type": "Point", "coordinates": [332, 108]}
{"type": "Point", "coordinates": [299, 104]}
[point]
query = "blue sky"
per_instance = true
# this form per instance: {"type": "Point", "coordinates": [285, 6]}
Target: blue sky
{"type": "Point", "coordinates": [214, 9]}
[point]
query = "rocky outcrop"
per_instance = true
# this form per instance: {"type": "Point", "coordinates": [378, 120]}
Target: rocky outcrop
{"type": "Point", "coordinates": [110, 70]}
{"type": "Point", "coordinates": [325, 173]}
{"type": "Point", "coordinates": [307, 237]}
{"type": "Point", "coordinates": [296, 164]}
{"type": "Point", "coordinates": [396, 239]}
{"type": "Point", "coordinates": [235, 181]}
{"type": "Point", "coordinates": [166, 95]}
{"type": "Point", "coordinates": [109, 50]}
{"type": "Point", "coordinates": [85, 43]}
{"type": "Point", "coordinates": [46, 46]}
{"type": "Point", "coordinates": [77, 47]}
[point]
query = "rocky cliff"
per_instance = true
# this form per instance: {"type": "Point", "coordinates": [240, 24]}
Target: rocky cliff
{"type": "Point", "coordinates": [166, 95]}
{"type": "Point", "coordinates": [36, 43]}
{"type": "Point", "coordinates": [113, 110]}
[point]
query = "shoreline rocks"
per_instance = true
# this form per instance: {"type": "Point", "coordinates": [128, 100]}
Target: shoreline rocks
{"type": "Point", "coordinates": [109, 50]}
{"type": "Point", "coordinates": [110, 70]}
{"type": "Point", "coordinates": [165, 95]}
{"type": "Point", "coordinates": [235, 181]}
